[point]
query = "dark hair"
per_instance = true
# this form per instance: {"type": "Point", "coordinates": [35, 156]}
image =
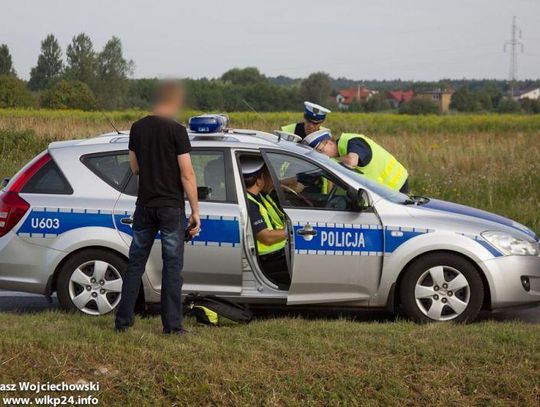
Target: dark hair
{"type": "Point", "coordinates": [251, 179]}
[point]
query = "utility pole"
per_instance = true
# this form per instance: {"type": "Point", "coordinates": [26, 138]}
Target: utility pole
{"type": "Point", "coordinates": [514, 44]}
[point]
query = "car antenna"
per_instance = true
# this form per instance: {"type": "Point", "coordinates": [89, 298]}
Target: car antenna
{"type": "Point", "coordinates": [110, 122]}
{"type": "Point", "coordinates": [254, 111]}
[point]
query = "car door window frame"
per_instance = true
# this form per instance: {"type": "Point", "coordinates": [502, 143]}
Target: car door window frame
{"type": "Point", "coordinates": [127, 177]}
{"type": "Point", "coordinates": [230, 187]}
{"type": "Point", "coordinates": [279, 190]}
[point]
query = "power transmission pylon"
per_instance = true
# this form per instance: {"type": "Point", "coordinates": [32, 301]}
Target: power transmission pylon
{"type": "Point", "coordinates": [514, 44]}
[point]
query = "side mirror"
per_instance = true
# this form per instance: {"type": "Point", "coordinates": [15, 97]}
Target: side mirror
{"type": "Point", "coordinates": [5, 181]}
{"type": "Point", "coordinates": [359, 198]}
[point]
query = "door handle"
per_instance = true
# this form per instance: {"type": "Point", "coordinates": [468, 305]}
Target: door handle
{"type": "Point", "coordinates": [127, 221]}
{"type": "Point", "coordinates": [307, 232]}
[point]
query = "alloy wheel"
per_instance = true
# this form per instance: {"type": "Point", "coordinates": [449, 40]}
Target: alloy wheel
{"type": "Point", "coordinates": [95, 287]}
{"type": "Point", "coordinates": [442, 293]}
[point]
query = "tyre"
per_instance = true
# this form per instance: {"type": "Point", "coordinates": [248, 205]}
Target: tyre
{"type": "Point", "coordinates": [91, 282]}
{"type": "Point", "coordinates": [441, 287]}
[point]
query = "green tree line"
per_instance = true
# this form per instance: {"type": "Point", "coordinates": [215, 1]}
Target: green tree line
{"type": "Point", "coordinates": [89, 79]}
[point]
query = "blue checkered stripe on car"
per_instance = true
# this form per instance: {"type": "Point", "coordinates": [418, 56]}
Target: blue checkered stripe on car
{"type": "Point", "coordinates": [221, 231]}
{"type": "Point", "coordinates": [338, 239]}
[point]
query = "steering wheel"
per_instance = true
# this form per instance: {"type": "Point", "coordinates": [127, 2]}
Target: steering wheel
{"type": "Point", "coordinates": [297, 195]}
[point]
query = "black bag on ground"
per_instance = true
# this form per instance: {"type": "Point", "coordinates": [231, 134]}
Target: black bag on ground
{"type": "Point", "coordinates": [211, 310]}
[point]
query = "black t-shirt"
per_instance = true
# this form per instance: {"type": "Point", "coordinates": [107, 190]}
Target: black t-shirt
{"type": "Point", "coordinates": [255, 216]}
{"type": "Point", "coordinates": [362, 149]}
{"type": "Point", "coordinates": [157, 142]}
{"type": "Point", "coordinates": [300, 130]}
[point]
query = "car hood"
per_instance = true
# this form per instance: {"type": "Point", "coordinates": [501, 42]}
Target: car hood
{"type": "Point", "coordinates": [449, 207]}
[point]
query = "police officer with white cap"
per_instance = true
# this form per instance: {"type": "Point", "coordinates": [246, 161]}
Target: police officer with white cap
{"type": "Point", "coordinates": [314, 116]}
{"type": "Point", "coordinates": [363, 155]}
{"type": "Point", "coordinates": [271, 236]}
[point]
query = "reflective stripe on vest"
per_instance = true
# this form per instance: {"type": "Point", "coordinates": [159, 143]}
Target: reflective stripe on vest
{"type": "Point", "coordinates": [276, 215]}
{"type": "Point", "coordinates": [383, 167]}
{"type": "Point", "coordinates": [261, 247]}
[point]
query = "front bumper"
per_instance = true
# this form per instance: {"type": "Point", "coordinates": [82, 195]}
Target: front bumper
{"type": "Point", "coordinates": [508, 278]}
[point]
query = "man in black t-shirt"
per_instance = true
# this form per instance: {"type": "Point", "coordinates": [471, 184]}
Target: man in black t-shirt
{"type": "Point", "coordinates": [159, 154]}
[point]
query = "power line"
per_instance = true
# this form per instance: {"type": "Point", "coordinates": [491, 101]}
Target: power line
{"type": "Point", "coordinates": [514, 44]}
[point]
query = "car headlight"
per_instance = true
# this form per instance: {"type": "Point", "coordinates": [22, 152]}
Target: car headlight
{"type": "Point", "coordinates": [511, 245]}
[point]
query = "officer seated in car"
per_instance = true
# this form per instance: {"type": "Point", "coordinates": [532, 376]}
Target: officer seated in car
{"type": "Point", "coordinates": [271, 236]}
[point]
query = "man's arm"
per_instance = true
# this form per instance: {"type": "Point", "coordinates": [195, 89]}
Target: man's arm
{"type": "Point", "coordinates": [351, 159]}
{"type": "Point", "coordinates": [189, 182]}
{"type": "Point", "coordinates": [270, 237]}
{"type": "Point", "coordinates": [133, 163]}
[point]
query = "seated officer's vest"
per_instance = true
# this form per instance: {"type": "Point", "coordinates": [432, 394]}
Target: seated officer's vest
{"type": "Point", "coordinates": [262, 248]}
{"type": "Point", "coordinates": [383, 167]}
{"type": "Point", "coordinates": [276, 215]}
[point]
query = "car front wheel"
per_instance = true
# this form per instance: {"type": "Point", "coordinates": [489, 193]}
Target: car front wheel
{"type": "Point", "coordinates": [91, 282]}
{"type": "Point", "coordinates": [441, 287]}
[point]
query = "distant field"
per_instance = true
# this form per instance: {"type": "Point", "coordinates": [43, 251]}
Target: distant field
{"type": "Point", "coordinates": [278, 362]}
{"type": "Point", "coordinates": [487, 161]}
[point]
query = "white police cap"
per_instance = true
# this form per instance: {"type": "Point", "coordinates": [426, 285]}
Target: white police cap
{"type": "Point", "coordinates": [314, 112]}
{"type": "Point", "coordinates": [251, 165]}
{"type": "Point", "coordinates": [315, 138]}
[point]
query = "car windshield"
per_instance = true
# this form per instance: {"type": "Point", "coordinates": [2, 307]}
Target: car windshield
{"type": "Point", "coordinates": [385, 192]}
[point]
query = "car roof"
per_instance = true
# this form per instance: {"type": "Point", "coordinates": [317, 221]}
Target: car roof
{"type": "Point", "coordinates": [239, 138]}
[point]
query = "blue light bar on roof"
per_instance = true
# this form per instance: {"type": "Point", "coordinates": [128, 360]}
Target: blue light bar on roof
{"type": "Point", "coordinates": [208, 123]}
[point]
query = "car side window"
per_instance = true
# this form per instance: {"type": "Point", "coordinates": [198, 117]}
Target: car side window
{"type": "Point", "coordinates": [308, 186]}
{"type": "Point", "coordinates": [113, 168]}
{"type": "Point", "coordinates": [48, 180]}
{"type": "Point", "coordinates": [210, 169]}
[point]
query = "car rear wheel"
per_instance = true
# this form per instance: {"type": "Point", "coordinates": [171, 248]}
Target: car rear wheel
{"type": "Point", "coordinates": [91, 282]}
{"type": "Point", "coordinates": [441, 287]}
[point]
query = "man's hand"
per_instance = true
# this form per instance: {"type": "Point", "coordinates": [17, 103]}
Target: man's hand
{"type": "Point", "coordinates": [194, 224]}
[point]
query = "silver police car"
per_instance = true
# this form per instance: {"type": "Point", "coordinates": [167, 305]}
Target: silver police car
{"type": "Point", "coordinates": [65, 227]}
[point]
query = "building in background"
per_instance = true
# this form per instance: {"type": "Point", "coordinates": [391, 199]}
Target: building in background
{"type": "Point", "coordinates": [441, 97]}
{"type": "Point", "coordinates": [357, 94]}
{"type": "Point", "coordinates": [533, 93]}
{"type": "Point", "coordinates": [397, 97]}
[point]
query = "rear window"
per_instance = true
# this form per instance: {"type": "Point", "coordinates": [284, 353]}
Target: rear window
{"type": "Point", "coordinates": [113, 168]}
{"type": "Point", "coordinates": [48, 180]}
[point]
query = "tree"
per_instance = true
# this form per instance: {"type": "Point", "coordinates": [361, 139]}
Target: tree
{"type": "Point", "coordinates": [13, 92]}
{"type": "Point", "coordinates": [113, 73]}
{"type": "Point", "coordinates": [376, 103]}
{"type": "Point", "coordinates": [68, 95]}
{"type": "Point", "coordinates": [508, 105]}
{"type": "Point", "coordinates": [81, 60]}
{"type": "Point", "coordinates": [463, 100]}
{"type": "Point", "coordinates": [419, 105]}
{"type": "Point", "coordinates": [316, 88]}
{"type": "Point", "coordinates": [49, 64]}
{"type": "Point", "coordinates": [6, 63]}
{"type": "Point", "coordinates": [531, 106]}
{"type": "Point", "coordinates": [246, 76]}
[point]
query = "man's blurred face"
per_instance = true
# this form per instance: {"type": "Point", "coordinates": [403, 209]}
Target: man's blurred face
{"type": "Point", "coordinates": [311, 127]}
{"type": "Point", "coordinates": [170, 98]}
{"type": "Point", "coordinates": [328, 147]}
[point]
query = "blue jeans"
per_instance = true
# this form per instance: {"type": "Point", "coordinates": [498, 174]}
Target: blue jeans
{"type": "Point", "coordinates": [147, 221]}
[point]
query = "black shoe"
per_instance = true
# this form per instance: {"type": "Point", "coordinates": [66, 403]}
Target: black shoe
{"type": "Point", "coordinates": [120, 330]}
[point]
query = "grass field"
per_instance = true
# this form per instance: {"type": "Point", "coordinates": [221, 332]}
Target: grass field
{"type": "Point", "coordinates": [491, 162]}
{"type": "Point", "coordinates": [278, 362]}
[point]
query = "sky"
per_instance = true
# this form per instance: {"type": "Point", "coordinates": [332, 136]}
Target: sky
{"type": "Point", "coordinates": [357, 39]}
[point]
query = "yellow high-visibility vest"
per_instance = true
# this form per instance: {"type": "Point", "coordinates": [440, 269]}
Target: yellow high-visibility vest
{"type": "Point", "coordinates": [383, 167]}
{"type": "Point", "coordinates": [276, 215]}
{"type": "Point", "coordinates": [261, 247]}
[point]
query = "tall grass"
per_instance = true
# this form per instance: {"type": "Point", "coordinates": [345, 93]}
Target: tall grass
{"type": "Point", "coordinates": [487, 161]}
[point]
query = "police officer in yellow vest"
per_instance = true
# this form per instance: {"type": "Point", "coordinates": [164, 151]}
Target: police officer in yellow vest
{"type": "Point", "coordinates": [363, 155]}
{"type": "Point", "coordinates": [314, 116]}
{"type": "Point", "coordinates": [271, 236]}
{"type": "Point", "coordinates": [269, 200]}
